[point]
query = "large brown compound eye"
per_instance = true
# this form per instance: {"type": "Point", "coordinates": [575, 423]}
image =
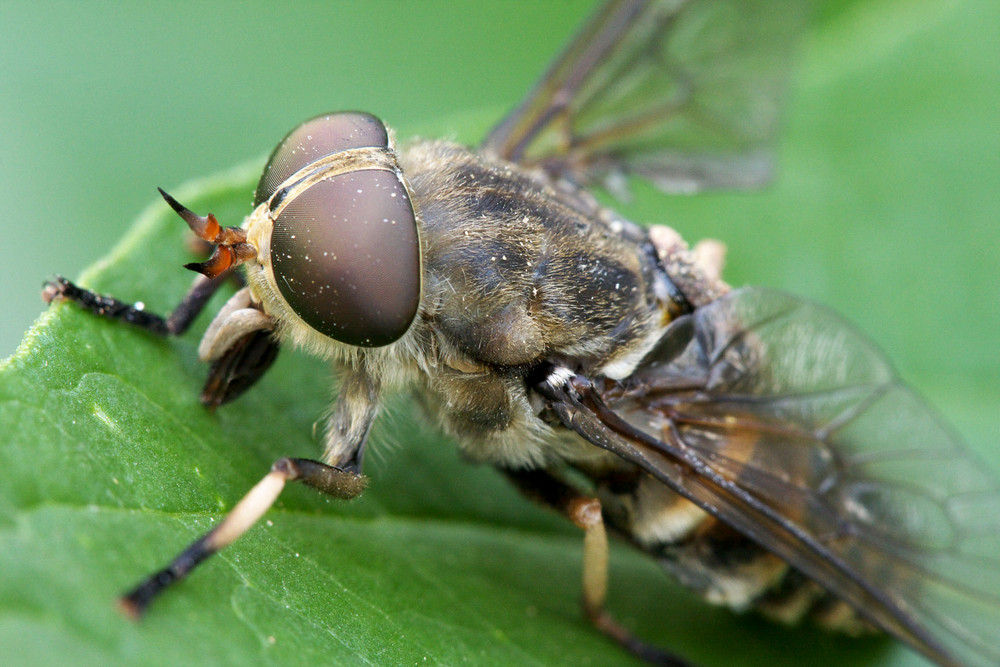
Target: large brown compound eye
{"type": "Point", "coordinates": [316, 138]}
{"type": "Point", "coordinates": [346, 257]}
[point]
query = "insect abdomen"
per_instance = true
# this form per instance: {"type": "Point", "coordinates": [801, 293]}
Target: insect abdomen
{"type": "Point", "coordinates": [719, 563]}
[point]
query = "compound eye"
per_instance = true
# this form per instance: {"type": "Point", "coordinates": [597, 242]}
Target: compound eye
{"type": "Point", "coordinates": [346, 257]}
{"type": "Point", "coordinates": [314, 139]}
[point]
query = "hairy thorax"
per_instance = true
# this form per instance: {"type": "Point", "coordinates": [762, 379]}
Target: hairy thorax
{"type": "Point", "coordinates": [519, 270]}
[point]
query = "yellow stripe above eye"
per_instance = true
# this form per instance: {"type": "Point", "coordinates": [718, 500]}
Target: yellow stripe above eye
{"type": "Point", "coordinates": [335, 164]}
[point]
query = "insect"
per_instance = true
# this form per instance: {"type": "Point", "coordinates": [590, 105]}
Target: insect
{"type": "Point", "coordinates": [729, 433]}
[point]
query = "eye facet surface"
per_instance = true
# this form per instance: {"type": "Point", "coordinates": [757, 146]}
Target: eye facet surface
{"type": "Point", "coordinates": [314, 139]}
{"type": "Point", "coordinates": [346, 257]}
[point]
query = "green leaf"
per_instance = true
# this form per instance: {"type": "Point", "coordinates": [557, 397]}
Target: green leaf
{"type": "Point", "coordinates": [109, 465]}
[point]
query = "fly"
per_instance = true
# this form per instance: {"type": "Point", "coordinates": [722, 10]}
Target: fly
{"type": "Point", "coordinates": [754, 444]}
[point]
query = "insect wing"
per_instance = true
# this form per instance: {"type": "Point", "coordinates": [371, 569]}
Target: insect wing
{"type": "Point", "coordinates": [685, 93]}
{"type": "Point", "coordinates": [778, 417]}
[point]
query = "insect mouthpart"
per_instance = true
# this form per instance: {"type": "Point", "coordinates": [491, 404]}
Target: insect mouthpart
{"type": "Point", "coordinates": [231, 247]}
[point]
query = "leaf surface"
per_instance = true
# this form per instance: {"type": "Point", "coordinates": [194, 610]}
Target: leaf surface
{"type": "Point", "coordinates": [108, 465]}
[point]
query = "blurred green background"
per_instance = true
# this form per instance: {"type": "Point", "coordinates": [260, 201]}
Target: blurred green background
{"type": "Point", "coordinates": [101, 102]}
{"type": "Point", "coordinates": [892, 155]}
{"type": "Point", "coordinates": [886, 206]}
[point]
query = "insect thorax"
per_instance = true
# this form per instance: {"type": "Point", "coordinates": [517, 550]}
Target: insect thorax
{"type": "Point", "coordinates": [518, 271]}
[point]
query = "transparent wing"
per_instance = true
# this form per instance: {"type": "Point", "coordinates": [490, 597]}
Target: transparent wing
{"type": "Point", "coordinates": [685, 93]}
{"type": "Point", "coordinates": [778, 417]}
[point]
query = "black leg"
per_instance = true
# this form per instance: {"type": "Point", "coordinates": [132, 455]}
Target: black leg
{"type": "Point", "coordinates": [326, 479]}
{"type": "Point", "coordinates": [585, 511]}
{"type": "Point", "coordinates": [175, 324]}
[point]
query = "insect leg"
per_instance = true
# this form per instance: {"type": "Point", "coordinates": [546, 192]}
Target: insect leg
{"type": "Point", "coordinates": [179, 320]}
{"type": "Point", "coordinates": [585, 511]}
{"type": "Point", "coordinates": [240, 347]}
{"type": "Point", "coordinates": [242, 365]}
{"type": "Point", "coordinates": [327, 479]}
{"type": "Point", "coordinates": [339, 476]}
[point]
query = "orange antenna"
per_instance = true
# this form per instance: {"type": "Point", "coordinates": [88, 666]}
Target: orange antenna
{"type": "Point", "coordinates": [231, 248]}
